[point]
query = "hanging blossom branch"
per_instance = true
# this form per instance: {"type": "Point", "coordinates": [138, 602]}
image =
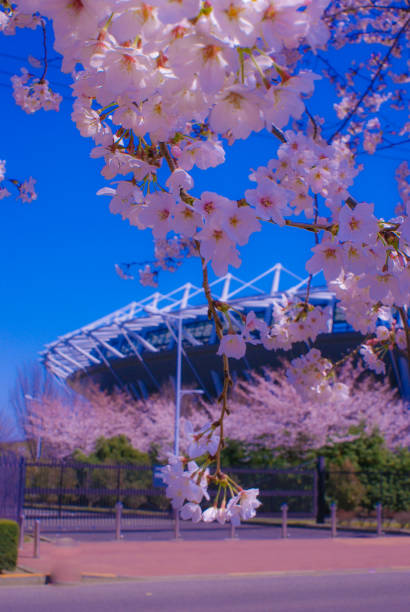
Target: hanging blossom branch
{"type": "Point", "coordinates": [169, 255]}
{"type": "Point", "coordinates": [33, 93]}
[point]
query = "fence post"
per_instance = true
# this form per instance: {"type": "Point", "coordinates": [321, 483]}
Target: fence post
{"type": "Point", "coordinates": [284, 508]}
{"type": "Point", "coordinates": [118, 483]}
{"type": "Point", "coordinates": [177, 532]}
{"type": "Point", "coordinates": [36, 539]}
{"type": "Point", "coordinates": [333, 519]}
{"type": "Point", "coordinates": [321, 486]}
{"type": "Point", "coordinates": [22, 486]}
{"type": "Point", "coordinates": [118, 514]}
{"type": "Point", "coordinates": [379, 515]}
{"type": "Point", "coordinates": [21, 530]}
{"type": "Point", "coordinates": [232, 532]}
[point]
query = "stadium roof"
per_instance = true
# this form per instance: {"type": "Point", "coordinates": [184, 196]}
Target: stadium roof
{"type": "Point", "coordinates": [150, 324]}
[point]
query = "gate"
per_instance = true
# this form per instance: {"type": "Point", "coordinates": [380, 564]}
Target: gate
{"type": "Point", "coordinates": [12, 477]}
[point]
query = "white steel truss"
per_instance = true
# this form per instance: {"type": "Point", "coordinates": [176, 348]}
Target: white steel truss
{"type": "Point", "coordinates": [150, 324]}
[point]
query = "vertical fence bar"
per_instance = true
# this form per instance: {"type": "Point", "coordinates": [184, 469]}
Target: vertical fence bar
{"type": "Point", "coordinates": [315, 494]}
{"type": "Point", "coordinates": [379, 516]}
{"type": "Point", "coordinates": [36, 539]}
{"type": "Point", "coordinates": [118, 514]}
{"type": "Point", "coordinates": [21, 530]}
{"type": "Point", "coordinates": [284, 530]}
{"type": "Point", "coordinates": [60, 495]}
{"type": "Point", "coordinates": [333, 519]}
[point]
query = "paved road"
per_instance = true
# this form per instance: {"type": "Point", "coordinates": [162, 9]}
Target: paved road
{"type": "Point", "coordinates": [352, 592]}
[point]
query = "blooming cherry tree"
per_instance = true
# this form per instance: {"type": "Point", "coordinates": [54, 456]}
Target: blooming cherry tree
{"type": "Point", "coordinates": [167, 85]}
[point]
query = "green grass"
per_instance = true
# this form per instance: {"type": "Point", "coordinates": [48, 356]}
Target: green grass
{"type": "Point", "coordinates": [355, 524]}
{"type": "Point", "coordinates": [80, 509]}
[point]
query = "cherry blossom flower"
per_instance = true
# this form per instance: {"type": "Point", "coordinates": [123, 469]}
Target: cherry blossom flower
{"type": "Point", "coordinates": [148, 277]}
{"type": "Point", "coordinates": [218, 248]}
{"type": "Point", "coordinates": [2, 169]}
{"type": "Point", "coordinates": [358, 225]}
{"type": "Point", "coordinates": [121, 273]}
{"type": "Point", "coordinates": [327, 257]}
{"type": "Point", "coordinates": [204, 440]}
{"type": "Point", "coordinates": [32, 95]}
{"type": "Point", "coordinates": [204, 154]}
{"type": "Point", "coordinates": [4, 193]}
{"type": "Point", "coordinates": [27, 192]}
{"type": "Point", "coordinates": [243, 506]}
{"type": "Point", "coordinates": [309, 373]}
{"type": "Point", "coordinates": [232, 345]}
{"type": "Point", "coordinates": [179, 179]}
{"type": "Point", "coordinates": [270, 201]}
{"type": "Point", "coordinates": [371, 359]}
{"type": "Point", "coordinates": [191, 511]}
{"type": "Point", "coordinates": [158, 213]}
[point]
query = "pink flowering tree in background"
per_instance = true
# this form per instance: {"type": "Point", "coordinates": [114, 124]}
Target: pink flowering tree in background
{"type": "Point", "coordinates": [169, 86]}
{"type": "Point", "coordinates": [357, 402]}
{"type": "Point", "coordinates": [260, 408]}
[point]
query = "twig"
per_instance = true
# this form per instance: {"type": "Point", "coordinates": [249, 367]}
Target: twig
{"type": "Point", "coordinates": [45, 61]}
{"type": "Point", "coordinates": [227, 376]}
{"type": "Point", "coordinates": [312, 119]}
{"type": "Point", "coordinates": [372, 82]}
{"type": "Point", "coordinates": [165, 153]}
{"type": "Point", "coordinates": [404, 320]}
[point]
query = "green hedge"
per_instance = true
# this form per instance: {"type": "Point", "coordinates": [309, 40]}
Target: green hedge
{"type": "Point", "coordinates": [9, 535]}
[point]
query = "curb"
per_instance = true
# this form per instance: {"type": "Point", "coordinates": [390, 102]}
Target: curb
{"type": "Point", "coordinates": [20, 579]}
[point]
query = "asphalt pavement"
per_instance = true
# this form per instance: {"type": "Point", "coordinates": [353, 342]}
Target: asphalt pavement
{"type": "Point", "coordinates": [361, 591]}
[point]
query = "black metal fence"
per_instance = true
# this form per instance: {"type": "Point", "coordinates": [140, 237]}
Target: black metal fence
{"type": "Point", "coordinates": [69, 495]}
{"type": "Point", "coordinates": [76, 496]}
{"type": "Point", "coordinates": [11, 486]}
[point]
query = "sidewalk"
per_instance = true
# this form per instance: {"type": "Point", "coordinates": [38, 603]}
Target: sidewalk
{"type": "Point", "coordinates": [228, 558]}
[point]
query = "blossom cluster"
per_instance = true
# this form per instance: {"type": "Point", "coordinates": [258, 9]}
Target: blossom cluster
{"type": "Point", "coordinates": [304, 168]}
{"type": "Point", "coordinates": [26, 190]}
{"type": "Point", "coordinates": [32, 94]}
{"type": "Point", "coordinates": [187, 483]}
{"type": "Point", "coordinates": [309, 374]}
{"type": "Point", "coordinates": [386, 339]}
{"type": "Point", "coordinates": [4, 192]}
{"type": "Point", "coordinates": [169, 254]}
{"type": "Point", "coordinates": [294, 321]}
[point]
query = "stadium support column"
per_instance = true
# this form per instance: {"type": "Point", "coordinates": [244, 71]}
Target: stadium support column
{"type": "Point", "coordinates": [178, 387]}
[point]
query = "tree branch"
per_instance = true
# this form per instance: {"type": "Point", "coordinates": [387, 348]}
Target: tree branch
{"type": "Point", "coordinates": [372, 82]}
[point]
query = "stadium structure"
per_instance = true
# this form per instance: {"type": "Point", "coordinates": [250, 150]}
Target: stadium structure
{"type": "Point", "coordinates": [134, 348]}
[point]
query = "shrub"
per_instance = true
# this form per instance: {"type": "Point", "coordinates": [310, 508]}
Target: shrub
{"type": "Point", "coordinates": [117, 451]}
{"type": "Point", "coordinates": [9, 534]}
{"type": "Point", "coordinates": [345, 488]}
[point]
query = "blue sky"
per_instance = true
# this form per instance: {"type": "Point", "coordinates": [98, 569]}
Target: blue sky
{"type": "Point", "coordinates": [58, 253]}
